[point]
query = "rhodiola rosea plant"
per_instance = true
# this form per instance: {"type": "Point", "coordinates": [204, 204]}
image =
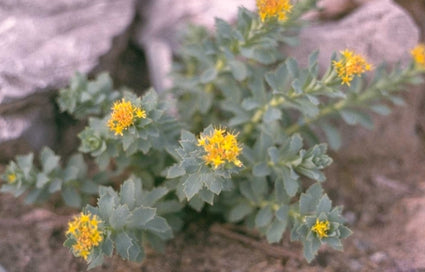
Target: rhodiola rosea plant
{"type": "Point", "coordinates": [243, 143]}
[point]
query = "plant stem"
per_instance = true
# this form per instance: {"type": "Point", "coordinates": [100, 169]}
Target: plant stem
{"type": "Point", "coordinates": [370, 94]}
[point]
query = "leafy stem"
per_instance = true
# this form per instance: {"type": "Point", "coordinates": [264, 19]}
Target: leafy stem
{"type": "Point", "coordinates": [379, 89]}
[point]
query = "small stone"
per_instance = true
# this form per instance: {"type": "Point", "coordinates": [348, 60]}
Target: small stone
{"type": "Point", "coordinates": [378, 257]}
{"type": "Point", "coordinates": [362, 245]}
{"type": "Point", "coordinates": [355, 265]}
{"type": "Point", "coordinates": [350, 217]}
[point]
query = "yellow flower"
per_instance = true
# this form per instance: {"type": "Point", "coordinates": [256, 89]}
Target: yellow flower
{"type": "Point", "coordinates": [11, 178]}
{"type": "Point", "coordinates": [350, 65]}
{"type": "Point", "coordinates": [220, 147]}
{"type": "Point", "coordinates": [418, 54]}
{"type": "Point", "coordinates": [321, 228]}
{"type": "Point", "coordinates": [84, 229]}
{"type": "Point", "coordinates": [123, 116]}
{"type": "Point", "coordinates": [274, 8]}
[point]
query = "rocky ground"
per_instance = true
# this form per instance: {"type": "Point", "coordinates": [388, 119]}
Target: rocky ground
{"type": "Point", "coordinates": [378, 175]}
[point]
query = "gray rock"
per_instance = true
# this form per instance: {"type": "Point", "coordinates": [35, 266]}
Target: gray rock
{"type": "Point", "coordinates": [379, 30]}
{"type": "Point", "coordinates": [157, 35]}
{"type": "Point", "coordinates": [42, 43]}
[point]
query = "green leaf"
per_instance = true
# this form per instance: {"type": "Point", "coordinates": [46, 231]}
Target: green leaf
{"type": "Point", "coordinates": [207, 196]}
{"type": "Point", "coordinates": [168, 206]}
{"type": "Point", "coordinates": [381, 109]}
{"type": "Point", "coordinates": [42, 179]}
{"type": "Point", "coordinates": [119, 216]}
{"type": "Point", "coordinates": [312, 58]}
{"type": "Point", "coordinates": [344, 232]}
{"type": "Point", "coordinates": [208, 75]}
{"type": "Point", "coordinates": [238, 69]}
{"type": "Point", "coordinates": [315, 191]}
{"type": "Point", "coordinates": [277, 79]}
{"type": "Point", "coordinates": [310, 199]}
{"type": "Point", "coordinates": [49, 160]}
{"type": "Point", "coordinates": [127, 140]}
{"type": "Point", "coordinates": [153, 196]}
{"type": "Point", "coordinates": [308, 251]}
{"type": "Point", "coordinates": [106, 202]}
{"type": "Point", "coordinates": [275, 231]}
{"type": "Point", "coordinates": [282, 214]}
{"type": "Point", "coordinates": [123, 242]}
{"type": "Point", "coordinates": [213, 184]}
{"type": "Point", "coordinates": [239, 212]}
{"type": "Point", "coordinates": [398, 101]}
{"type": "Point", "coordinates": [32, 196]}
{"type": "Point", "coordinates": [71, 197]}
{"type": "Point", "coordinates": [25, 163]}
{"type": "Point", "coordinates": [204, 101]}
{"type": "Point", "coordinates": [272, 114]}
{"type": "Point", "coordinates": [292, 66]}
{"type": "Point", "coordinates": [127, 193]}
{"type": "Point", "coordinates": [192, 185]}
{"type": "Point", "coordinates": [296, 85]}
{"type": "Point", "coordinates": [95, 259]}
{"type": "Point", "coordinates": [311, 173]}
{"type": "Point", "coordinates": [263, 217]}
{"type": "Point", "coordinates": [156, 243]}
{"type": "Point", "coordinates": [291, 186]}
{"type": "Point", "coordinates": [158, 224]}
{"type": "Point", "coordinates": [352, 117]}
{"type": "Point", "coordinates": [175, 171]}
{"type": "Point", "coordinates": [333, 135]}
{"type": "Point", "coordinates": [295, 144]}
{"type": "Point", "coordinates": [273, 154]}
{"type": "Point", "coordinates": [250, 104]}
{"type": "Point", "coordinates": [69, 242]}
{"type": "Point", "coordinates": [196, 203]}
{"type": "Point", "coordinates": [55, 185]}
{"type": "Point", "coordinates": [261, 53]}
{"type": "Point", "coordinates": [140, 217]}
{"type": "Point", "coordinates": [334, 242]}
{"type": "Point", "coordinates": [70, 173]}
{"type": "Point", "coordinates": [324, 205]}
{"type": "Point", "coordinates": [187, 136]}
{"type": "Point", "coordinates": [89, 187]}
{"type": "Point", "coordinates": [261, 169]}
{"type": "Point", "coordinates": [150, 100]}
{"type": "Point", "coordinates": [108, 247]}
{"type": "Point", "coordinates": [280, 191]}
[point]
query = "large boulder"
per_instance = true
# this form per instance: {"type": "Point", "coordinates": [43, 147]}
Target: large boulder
{"type": "Point", "coordinates": [42, 44]}
{"type": "Point", "coordinates": [380, 30]}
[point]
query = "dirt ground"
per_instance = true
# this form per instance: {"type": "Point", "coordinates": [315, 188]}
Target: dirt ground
{"type": "Point", "coordinates": [378, 176]}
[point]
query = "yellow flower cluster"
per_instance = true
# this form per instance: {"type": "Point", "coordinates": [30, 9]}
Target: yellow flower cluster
{"type": "Point", "coordinates": [418, 54]}
{"type": "Point", "coordinates": [274, 8]}
{"type": "Point", "coordinates": [11, 178]}
{"type": "Point", "coordinates": [85, 230]}
{"type": "Point", "coordinates": [220, 147]}
{"type": "Point", "coordinates": [350, 65]}
{"type": "Point", "coordinates": [123, 116]}
{"type": "Point", "coordinates": [321, 228]}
